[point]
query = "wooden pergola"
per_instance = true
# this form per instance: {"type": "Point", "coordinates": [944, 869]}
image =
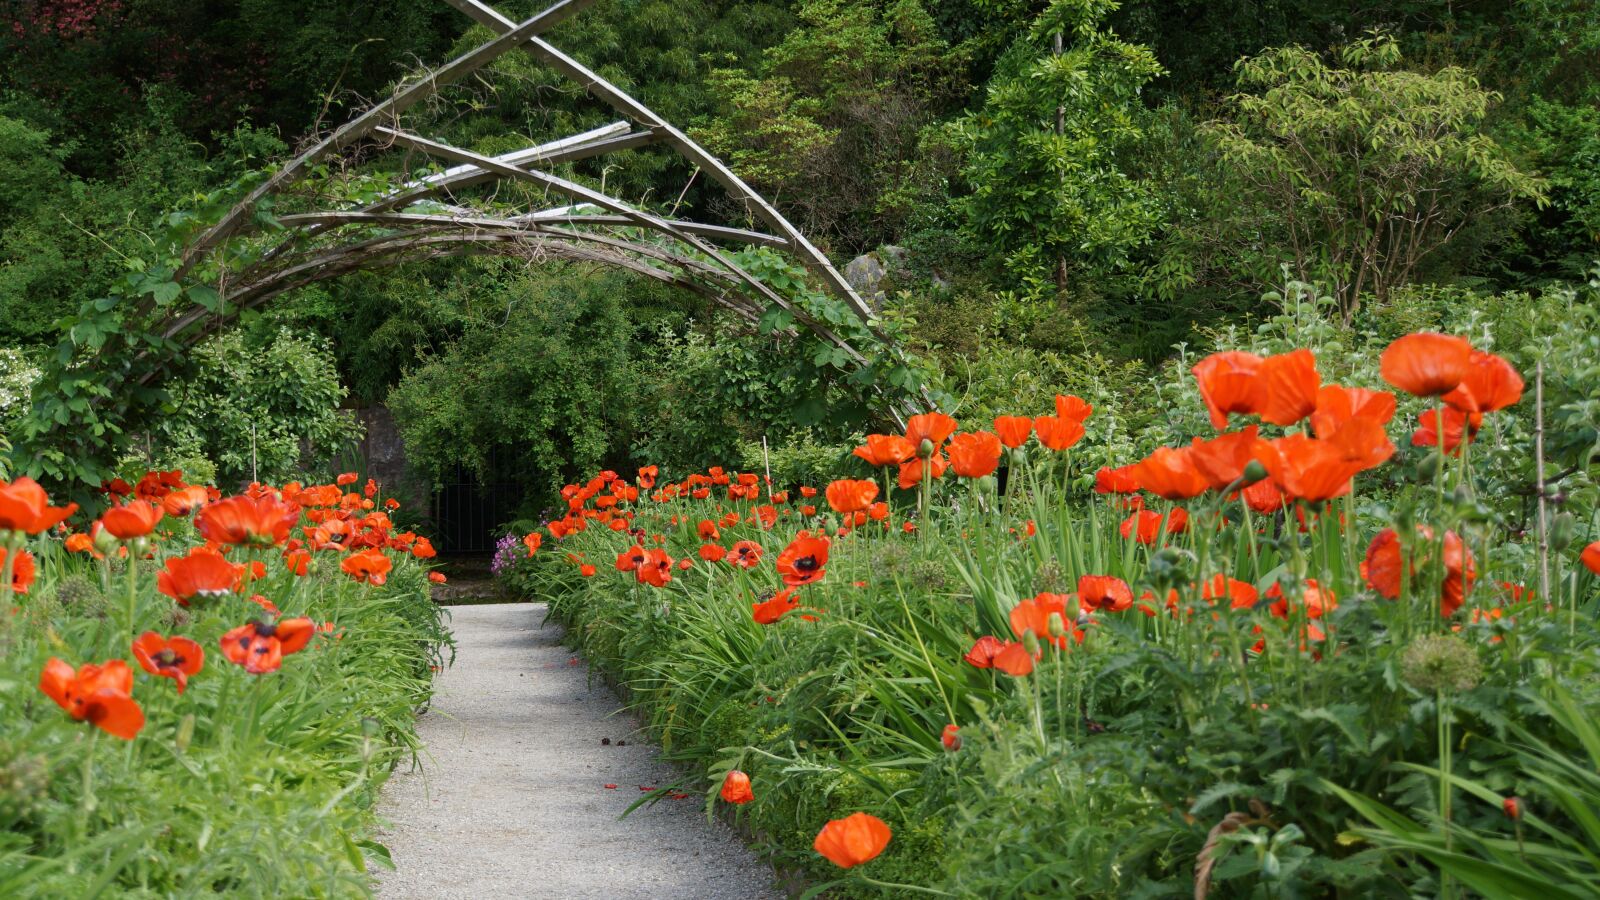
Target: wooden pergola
{"type": "Point", "coordinates": [435, 216]}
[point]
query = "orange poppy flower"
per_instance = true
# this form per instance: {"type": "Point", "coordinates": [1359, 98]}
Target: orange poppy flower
{"type": "Point", "coordinates": [367, 567]}
{"type": "Point", "coordinates": [438, 578]}
{"type": "Point", "coordinates": [259, 521]}
{"type": "Point", "coordinates": [1286, 387]}
{"type": "Point", "coordinates": [712, 552]}
{"type": "Point", "coordinates": [1240, 594]}
{"type": "Point", "coordinates": [177, 658]}
{"type": "Point", "coordinates": [1590, 557]}
{"type": "Point", "coordinates": [951, 738]}
{"type": "Point", "coordinates": [1337, 405]}
{"type": "Point", "coordinates": [630, 559]}
{"type": "Point", "coordinates": [974, 454]}
{"type": "Point", "coordinates": [648, 475]}
{"type": "Point", "coordinates": [1491, 384]}
{"type": "Point", "coordinates": [807, 491]}
{"type": "Point", "coordinates": [1459, 428]}
{"type": "Point", "coordinates": [849, 495]}
{"type": "Point", "coordinates": [1264, 497]}
{"type": "Point", "coordinates": [1386, 565]}
{"type": "Point", "coordinates": [346, 478]}
{"type": "Point", "coordinates": [587, 571]}
{"type": "Point", "coordinates": [775, 607]}
{"type": "Point", "coordinates": [886, 450]}
{"type": "Point", "coordinates": [935, 427]}
{"type": "Point", "coordinates": [1316, 600]}
{"type": "Point", "coordinates": [23, 570]}
{"type": "Point", "coordinates": [1120, 480]}
{"type": "Point", "coordinates": [1426, 364]}
{"type": "Point", "coordinates": [134, 519]}
{"type": "Point", "coordinates": [1145, 525]}
{"type": "Point", "coordinates": [81, 543]}
{"type": "Point", "coordinates": [1013, 430]}
{"type": "Point", "coordinates": [1171, 473]}
{"type": "Point", "coordinates": [532, 541]}
{"type": "Point", "coordinates": [911, 471]}
{"type": "Point", "coordinates": [1058, 433]}
{"type": "Point", "coordinates": [655, 569]}
{"type": "Point", "coordinates": [1223, 458]}
{"type": "Point", "coordinates": [101, 695]}
{"type": "Point", "coordinates": [1015, 660]}
{"type": "Point", "coordinates": [1104, 592]}
{"type": "Point", "coordinates": [202, 573]}
{"type": "Point", "coordinates": [853, 840]}
{"type": "Point", "coordinates": [1227, 383]}
{"type": "Point", "coordinates": [984, 651]}
{"type": "Point", "coordinates": [707, 530]}
{"type": "Point", "coordinates": [803, 561]}
{"type": "Point", "coordinates": [1034, 615]}
{"type": "Point", "coordinates": [1074, 408]}
{"type": "Point", "coordinates": [25, 507]}
{"type": "Point", "coordinates": [1305, 468]}
{"type": "Point", "coordinates": [184, 501]}
{"type": "Point", "coordinates": [736, 788]}
{"type": "Point", "coordinates": [745, 554]}
{"type": "Point", "coordinates": [260, 646]}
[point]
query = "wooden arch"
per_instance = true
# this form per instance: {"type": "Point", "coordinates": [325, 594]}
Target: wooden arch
{"type": "Point", "coordinates": [429, 217]}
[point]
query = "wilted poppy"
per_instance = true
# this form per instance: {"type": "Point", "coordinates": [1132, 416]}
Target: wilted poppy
{"type": "Point", "coordinates": [259, 521]}
{"type": "Point", "coordinates": [974, 454]}
{"type": "Point", "coordinates": [983, 652]}
{"type": "Point", "coordinates": [25, 507]}
{"type": "Point", "coordinates": [1227, 383]}
{"type": "Point", "coordinates": [1013, 431]}
{"type": "Point", "coordinates": [736, 788]}
{"type": "Point", "coordinates": [775, 607]}
{"type": "Point", "coordinates": [886, 450]}
{"type": "Point", "coordinates": [260, 646]}
{"type": "Point", "coordinates": [133, 519]}
{"type": "Point", "coordinates": [1104, 592]}
{"type": "Point", "coordinates": [1171, 473]}
{"type": "Point", "coordinates": [367, 567]}
{"type": "Point", "coordinates": [202, 573]}
{"type": "Point", "coordinates": [176, 658]}
{"type": "Point", "coordinates": [1058, 433]}
{"type": "Point", "coordinates": [853, 840]}
{"type": "Point", "coordinates": [850, 495]}
{"type": "Point", "coordinates": [803, 561]}
{"type": "Point", "coordinates": [101, 695]}
{"type": "Point", "coordinates": [1426, 364]}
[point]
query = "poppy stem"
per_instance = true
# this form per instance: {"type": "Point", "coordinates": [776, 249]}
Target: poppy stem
{"type": "Point", "coordinates": [89, 803]}
{"type": "Point", "coordinates": [133, 591]}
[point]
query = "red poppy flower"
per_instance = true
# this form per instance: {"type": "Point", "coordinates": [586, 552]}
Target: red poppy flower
{"type": "Point", "coordinates": [260, 521]}
{"type": "Point", "coordinates": [184, 501]}
{"type": "Point", "coordinates": [203, 573]}
{"type": "Point", "coordinates": [1013, 430]}
{"type": "Point", "coordinates": [1172, 474]}
{"type": "Point", "coordinates": [1034, 615]}
{"type": "Point", "coordinates": [1240, 594]}
{"type": "Point", "coordinates": [736, 788]}
{"type": "Point", "coordinates": [25, 507]}
{"type": "Point", "coordinates": [630, 559]}
{"type": "Point", "coordinates": [935, 427]}
{"type": "Point", "coordinates": [853, 840]}
{"type": "Point", "coordinates": [983, 652]}
{"type": "Point", "coordinates": [1459, 428]}
{"type": "Point", "coordinates": [886, 450]}
{"type": "Point", "coordinates": [1264, 497]}
{"type": "Point", "coordinates": [260, 646]}
{"type": "Point", "coordinates": [1223, 458]}
{"type": "Point", "coordinates": [1074, 408]}
{"type": "Point", "coordinates": [1015, 660]}
{"type": "Point", "coordinates": [1145, 525]}
{"type": "Point", "coordinates": [1286, 387]}
{"type": "Point", "coordinates": [367, 567]}
{"type": "Point", "coordinates": [1491, 384]}
{"type": "Point", "coordinates": [1316, 600]}
{"type": "Point", "coordinates": [648, 475]}
{"type": "Point", "coordinates": [134, 519]}
{"type": "Point", "coordinates": [1426, 364]}
{"type": "Point", "coordinates": [849, 495]}
{"type": "Point", "coordinates": [707, 530]}
{"type": "Point", "coordinates": [745, 554]}
{"type": "Point", "coordinates": [23, 570]}
{"type": "Point", "coordinates": [712, 552]}
{"type": "Point", "coordinates": [177, 658]}
{"type": "Point", "coordinates": [346, 478]}
{"type": "Point", "coordinates": [532, 541]}
{"type": "Point", "coordinates": [1104, 592]}
{"type": "Point", "coordinates": [438, 578]}
{"type": "Point", "coordinates": [774, 608]}
{"type": "Point", "coordinates": [803, 561]}
{"type": "Point", "coordinates": [911, 471]}
{"type": "Point", "coordinates": [879, 511]}
{"type": "Point", "coordinates": [974, 454]}
{"type": "Point", "coordinates": [655, 569]}
{"type": "Point", "coordinates": [1058, 433]}
{"type": "Point", "coordinates": [101, 695]}
{"type": "Point", "coordinates": [1120, 480]}
{"type": "Point", "coordinates": [1337, 405]}
{"type": "Point", "coordinates": [587, 571]}
{"type": "Point", "coordinates": [1386, 565]}
{"type": "Point", "coordinates": [1590, 557]}
{"type": "Point", "coordinates": [1227, 383]}
{"type": "Point", "coordinates": [1305, 468]}
{"type": "Point", "coordinates": [951, 738]}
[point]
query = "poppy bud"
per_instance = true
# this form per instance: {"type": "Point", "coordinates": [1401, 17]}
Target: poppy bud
{"type": "Point", "coordinates": [1561, 531]}
{"type": "Point", "coordinates": [1056, 625]}
{"type": "Point", "coordinates": [185, 732]}
{"type": "Point", "coordinates": [925, 449]}
{"type": "Point", "coordinates": [1428, 469]}
{"type": "Point", "coordinates": [1169, 566]}
{"type": "Point", "coordinates": [104, 541]}
{"type": "Point", "coordinates": [1030, 642]}
{"type": "Point", "coordinates": [952, 739]}
{"type": "Point", "coordinates": [1513, 808]}
{"type": "Point", "coordinates": [1019, 457]}
{"type": "Point", "coordinates": [988, 484]}
{"type": "Point", "coordinates": [1254, 471]}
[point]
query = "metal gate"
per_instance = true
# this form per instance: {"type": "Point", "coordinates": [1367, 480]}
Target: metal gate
{"type": "Point", "coordinates": [467, 512]}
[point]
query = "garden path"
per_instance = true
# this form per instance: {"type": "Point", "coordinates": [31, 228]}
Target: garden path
{"type": "Point", "coordinates": [511, 799]}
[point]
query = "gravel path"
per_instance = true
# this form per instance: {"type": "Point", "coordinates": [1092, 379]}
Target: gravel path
{"type": "Point", "coordinates": [511, 800]}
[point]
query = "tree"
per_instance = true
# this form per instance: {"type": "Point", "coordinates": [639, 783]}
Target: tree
{"type": "Point", "coordinates": [1356, 175]}
{"type": "Point", "coordinates": [1048, 190]}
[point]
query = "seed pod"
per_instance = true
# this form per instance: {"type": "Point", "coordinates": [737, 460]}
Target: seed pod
{"type": "Point", "coordinates": [1562, 528]}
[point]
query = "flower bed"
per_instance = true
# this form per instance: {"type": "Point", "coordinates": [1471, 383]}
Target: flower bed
{"type": "Point", "coordinates": [202, 695]}
{"type": "Point", "coordinates": [1218, 670]}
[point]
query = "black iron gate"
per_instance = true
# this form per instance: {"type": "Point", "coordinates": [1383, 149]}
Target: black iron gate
{"type": "Point", "coordinates": [467, 513]}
